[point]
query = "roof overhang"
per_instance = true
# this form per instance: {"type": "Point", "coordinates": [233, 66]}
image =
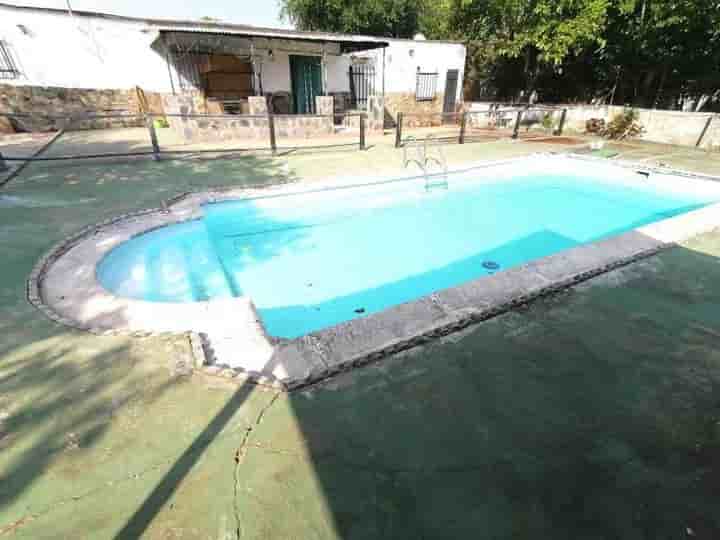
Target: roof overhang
{"type": "Point", "coordinates": [209, 40]}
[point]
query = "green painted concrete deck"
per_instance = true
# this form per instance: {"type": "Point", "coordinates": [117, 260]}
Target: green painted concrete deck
{"type": "Point", "coordinates": [590, 415]}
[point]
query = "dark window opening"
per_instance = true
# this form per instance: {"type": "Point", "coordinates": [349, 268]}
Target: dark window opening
{"type": "Point", "coordinates": [221, 76]}
{"type": "Point", "coordinates": [426, 86]}
{"type": "Point", "coordinates": [8, 68]}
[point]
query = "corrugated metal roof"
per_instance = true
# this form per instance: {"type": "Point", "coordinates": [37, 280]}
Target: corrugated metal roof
{"type": "Point", "coordinates": [347, 43]}
{"type": "Point", "coordinates": [254, 31]}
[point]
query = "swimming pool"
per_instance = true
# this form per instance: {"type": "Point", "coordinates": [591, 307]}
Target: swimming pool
{"type": "Point", "coordinates": [311, 260]}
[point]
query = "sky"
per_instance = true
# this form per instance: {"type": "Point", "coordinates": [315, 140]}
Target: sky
{"type": "Point", "coordinates": [255, 12]}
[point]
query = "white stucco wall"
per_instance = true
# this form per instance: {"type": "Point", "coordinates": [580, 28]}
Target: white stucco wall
{"type": "Point", "coordinates": [338, 68]}
{"type": "Point", "coordinates": [403, 57]}
{"type": "Point", "coordinates": [81, 52]}
{"type": "Point", "coordinates": [91, 52]}
{"type": "Point", "coordinates": [276, 71]}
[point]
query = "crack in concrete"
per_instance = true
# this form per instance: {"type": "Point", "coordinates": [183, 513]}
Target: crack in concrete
{"type": "Point", "coordinates": [49, 508]}
{"type": "Point", "coordinates": [272, 450]}
{"type": "Point", "coordinates": [240, 457]}
{"type": "Point", "coordinates": [15, 525]}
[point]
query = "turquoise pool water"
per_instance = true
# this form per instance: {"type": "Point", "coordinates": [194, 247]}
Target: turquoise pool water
{"type": "Point", "coordinates": [311, 261]}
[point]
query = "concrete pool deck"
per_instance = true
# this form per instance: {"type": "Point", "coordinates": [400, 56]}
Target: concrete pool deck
{"type": "Point", "coordinates": [229, 336]}
{"type": "Point", "coordinates": [588, 414]}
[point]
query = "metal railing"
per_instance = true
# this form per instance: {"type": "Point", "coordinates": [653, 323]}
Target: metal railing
{"type": "Point", "coordinates": [425, 86]}
{"type": "Point", "coordinates": [499, 118]}
{"type": "Point", "coordinates": [362, 84]}
{"type": "Point", "coordinates": [63, 123]}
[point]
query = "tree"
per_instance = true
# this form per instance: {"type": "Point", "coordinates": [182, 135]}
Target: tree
{"type": "Point", "coordinates": [543, 33]}
{"type": "Point", "coordinates": [663, 49]}
{"type": "Point", "coordinates": [390, 18]}
{"type": "Point", "coordinates": [650, 53]}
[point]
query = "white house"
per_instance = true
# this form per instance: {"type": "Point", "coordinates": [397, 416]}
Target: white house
{"type": "Point", "coordinates": [64, 55]}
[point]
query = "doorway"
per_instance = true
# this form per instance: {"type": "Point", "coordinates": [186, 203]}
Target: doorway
{"type": "Point", "coordinates": [306, 82]}
{"type": "Point", "coordinates": [451, 84]}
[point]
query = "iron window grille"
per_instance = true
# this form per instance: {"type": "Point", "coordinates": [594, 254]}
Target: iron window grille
{"type": "Point", "coordinates": [426, 85]}
{"type": "Point", "coordinates": [8, 68]}
{"type": "Point", "coordinates": [362, 84]}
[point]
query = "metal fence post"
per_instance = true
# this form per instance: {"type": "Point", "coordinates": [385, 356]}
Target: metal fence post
{"type": "Point", "coordinates": [561, 125]}
{"type": "Point", "coordinates": [463, 123]}
{"type": "Point", "coordinates": [362, 131]}
{"type": "Point", "coordinates": [704, 131]}
{"type": "Point", "coordinates": [153, 137]}
{"type": "Point", "coordinates": [398, 130]}
{"type": "Point", "coordinates": [517, 125]}
{"type": "Point", "coordinates": [271, 129]}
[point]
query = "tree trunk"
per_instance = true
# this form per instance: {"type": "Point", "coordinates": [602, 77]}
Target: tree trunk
{"type": "Point", "coordinates": [617, 81]}
{"type": "Point", "coordinates": [646, 87]}
{"type": "Point", "coordinates": [661, 86]}
{"type": "Point", "coordinates": [531, 71]}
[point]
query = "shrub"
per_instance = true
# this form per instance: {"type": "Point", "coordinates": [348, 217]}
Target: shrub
{"type": "Point", "coordinates": [547, 122]}
{"type": "Point", "coordinates": [624, 126]}
{"type": "Point", "coordinates": [161, 123]}
{"type": "Point", "coordinates": [595, 125]}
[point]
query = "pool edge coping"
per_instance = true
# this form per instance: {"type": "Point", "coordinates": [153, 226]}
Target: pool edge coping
{"type": "Point", "coordinates": [450, 321]}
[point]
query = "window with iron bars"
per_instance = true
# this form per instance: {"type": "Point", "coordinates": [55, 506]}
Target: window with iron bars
{"type": "Point", "coordinates": [362, 84]}
{"type": "Point", "coordinates": [426, 84]}
{"type": "Point", "coordinates": [8, 68]}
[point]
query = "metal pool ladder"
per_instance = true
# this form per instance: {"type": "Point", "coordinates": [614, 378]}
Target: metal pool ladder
{"type": "Point", "coordinates": [427, 161]}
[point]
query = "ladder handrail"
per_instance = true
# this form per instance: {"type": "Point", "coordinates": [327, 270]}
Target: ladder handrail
{"type": "Point", "coordinates": [424, 160]}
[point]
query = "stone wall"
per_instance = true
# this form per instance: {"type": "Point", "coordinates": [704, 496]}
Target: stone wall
{"type": "Point", "coordinates": [711, 140]}
{"type": "Point", "coordinates": [325, 105]}
{"type": "Point", "coordinates": [258, 105]}
{"type": "Point", "coordinates": [376, 113]}
{"type": "Point", "coordinates": [72, 102]}
{"type": "Point", "coordinates": [230, 127]}
{"type": "Point", "coordinates": [670, 127]}
{"type": "Point", "coordinates": [307, 126]}
{"type": "Point", "coordinates": [406, 103]}
{"type": "Point", "coordinates": [660, 126]}
{"type": "Point", "coordinates": [198, 129]}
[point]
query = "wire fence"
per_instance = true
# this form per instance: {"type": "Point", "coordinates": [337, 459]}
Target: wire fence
{"type": "Point", "coordinates": [62, 138]}
{"type": "Point", "coordinates": [482, 126]}
{"type": "Point", "coordinates": [49, 138]}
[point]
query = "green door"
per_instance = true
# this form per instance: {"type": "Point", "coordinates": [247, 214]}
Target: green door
{"type": "Point", "coordinates": [306, 80]}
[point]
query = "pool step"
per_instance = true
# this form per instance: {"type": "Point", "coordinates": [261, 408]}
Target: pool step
{"type": "Point", "coordinates": [233, 336]}
{"type": "Point", "coordinates": [248, 351]}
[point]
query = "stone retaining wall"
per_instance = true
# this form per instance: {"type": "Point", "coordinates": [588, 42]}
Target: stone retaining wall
{"type": "Point", "coordinates": [72, 102]}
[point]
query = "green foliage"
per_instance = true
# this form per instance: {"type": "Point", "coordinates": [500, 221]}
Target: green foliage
{"type": "Point", "coordinates": [391, 18]}
{"type": "Point", "coordinates": [623, 126]}
{"type": "Point", "coordinates": [638, 52]}
{"type": "Point", "coordinates": [553, 28]}
{"type": "Point", "coordinates": [547, 121]}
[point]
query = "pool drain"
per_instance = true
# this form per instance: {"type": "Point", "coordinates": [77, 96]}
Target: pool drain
{"type": "Point", "coordinates": [490, 265]}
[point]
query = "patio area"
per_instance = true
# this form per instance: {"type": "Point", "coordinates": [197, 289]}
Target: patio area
{"type": "Point", "coordinates": [589, 414]}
